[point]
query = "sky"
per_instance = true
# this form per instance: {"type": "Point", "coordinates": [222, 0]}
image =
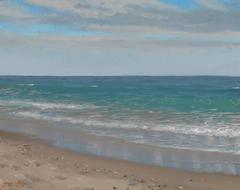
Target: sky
{"type": "Point", "coordinates": [127, 37]}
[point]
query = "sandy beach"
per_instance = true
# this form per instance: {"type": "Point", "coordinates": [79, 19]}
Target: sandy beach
{"type": "Point", "coordinates": [119, 95]}
{"type": "Point", "coordinates": [34, 164]}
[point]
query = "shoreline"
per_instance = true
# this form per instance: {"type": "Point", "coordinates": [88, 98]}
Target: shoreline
{"type": "Point", "coordinates": [29, 163]}
{"type": "Point", "coordinates": [108, 147]}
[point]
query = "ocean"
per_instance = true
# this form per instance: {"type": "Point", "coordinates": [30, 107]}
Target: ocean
{"type": "Point", "coordinates": [190, 113]}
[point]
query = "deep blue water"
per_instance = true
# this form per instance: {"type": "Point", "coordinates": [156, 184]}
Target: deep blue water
{"type": "Point", "coordinates": [184, 112]}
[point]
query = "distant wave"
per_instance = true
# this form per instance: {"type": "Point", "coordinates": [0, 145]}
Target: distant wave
{"type": "Point", "coordinates": [30, 84]}
{"type": "Point", "coordinates": [236, 88]}
{"type": "Point", "coordinates": [47, 105]}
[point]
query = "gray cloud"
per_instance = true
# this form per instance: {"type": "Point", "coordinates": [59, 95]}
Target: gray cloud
{"type": "Point", "coordinates": [85, 5]}
{"type": "Point", "coordinates": [198, 21]}
{"type": "Point", "coordinates": [214, 17]}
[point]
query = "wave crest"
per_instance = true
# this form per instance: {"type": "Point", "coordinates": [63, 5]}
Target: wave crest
{"type": "Point", "coordinates": [175, 128]}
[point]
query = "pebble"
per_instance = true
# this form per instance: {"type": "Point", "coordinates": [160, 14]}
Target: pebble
{"type": "Point", "coordinates": [180, 187]}
{"type": "Point", "coordinates": [131, 184]}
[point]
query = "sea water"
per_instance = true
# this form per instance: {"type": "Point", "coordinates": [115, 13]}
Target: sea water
{"type": "Point", "coordinates": [197, 113]}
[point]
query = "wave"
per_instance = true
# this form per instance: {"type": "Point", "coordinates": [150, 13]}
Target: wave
{"type": "Point", "coordinates": [175, 128]}
{"type": "Point", "coordinates": [236, 88]}
{"type": "Point", "coordinates": [30, 84]}
{"type": "Point", "coordinates": [46, 105]}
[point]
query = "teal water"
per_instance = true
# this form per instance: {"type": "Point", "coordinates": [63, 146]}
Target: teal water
{"type": "Point", "coordinates": [200, 113]}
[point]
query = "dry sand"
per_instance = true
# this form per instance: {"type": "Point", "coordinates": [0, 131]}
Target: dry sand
{"type": "Point", "coordinates": [29, 164]}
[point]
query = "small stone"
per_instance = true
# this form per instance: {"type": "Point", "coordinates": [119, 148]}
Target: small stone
{"type": "Point", "coordinates": [3, 165]}
{"type": "Point", "coordinates": [131, 184]}
{"type": "Point", "coordinates": [20, 184]}
{"type": "Point", "coordinates": [180, 187]}
{"type": "Point", "coordinates": [16, 168]}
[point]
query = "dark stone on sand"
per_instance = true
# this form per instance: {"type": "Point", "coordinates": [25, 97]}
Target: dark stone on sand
{"type": "Point", "coordinates": [131, 183]}
{"type": "Point", "coordinates": [16, 168]}
{"type": "Point", "coordinates": [3, 165]}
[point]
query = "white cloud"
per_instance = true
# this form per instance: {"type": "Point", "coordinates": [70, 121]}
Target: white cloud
{"type": "Point", "coordinates": [9, 10]}
{"type": "Point", "coordinates": [213, 4]}
{"type": "Point", "coordinates": [101, 8]}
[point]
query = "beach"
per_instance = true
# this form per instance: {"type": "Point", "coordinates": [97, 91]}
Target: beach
{"type": "Point", "coordinates": [28, 163]}
{"type": "Point", "coordinates": [143, 133]}
{"type": "Point", "coordinates": [120, 95]}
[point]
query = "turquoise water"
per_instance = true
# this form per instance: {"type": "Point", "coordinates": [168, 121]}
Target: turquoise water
{"type": "Point", "coordinates": [201, 113]}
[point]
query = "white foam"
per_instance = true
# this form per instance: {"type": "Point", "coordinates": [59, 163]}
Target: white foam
{"type": "Point", "coordinates": [30, 84]}
{"type": "Point", "coordinates": [175, 128]}
{"type": "Point", "coordinates": [44, 105]}
{"type": "Point", "coordinates": [48, 105]}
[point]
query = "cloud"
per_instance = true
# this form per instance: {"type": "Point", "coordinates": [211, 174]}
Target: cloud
{"type": "Point", "coordinates": [213, 5]}
{"type": "Point", "coordinates": [206, 16]}
{"type": "Point", "coordinates": [10, 10]}
{"type": "Point", "coordinates": [118, 18]}
{"type": "Point", "coordinates": [100, 8]}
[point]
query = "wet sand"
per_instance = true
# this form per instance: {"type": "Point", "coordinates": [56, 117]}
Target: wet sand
{"type": "Point", "coordinates": [34, 164]}
{"type": "Point", "coordinates": [80, 141]}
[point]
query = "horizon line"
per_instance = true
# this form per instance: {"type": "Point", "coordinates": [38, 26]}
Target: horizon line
{"type": "Point", "coordinates": [20, 75]}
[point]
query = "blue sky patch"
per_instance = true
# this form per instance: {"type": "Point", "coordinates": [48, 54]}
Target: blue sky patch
{"type": "Point", "coordinates": [183, 4]}
{"type": "Point", "coordinates": [37, 29]}
{"type": "Point", "coordinates": [34, 9]}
